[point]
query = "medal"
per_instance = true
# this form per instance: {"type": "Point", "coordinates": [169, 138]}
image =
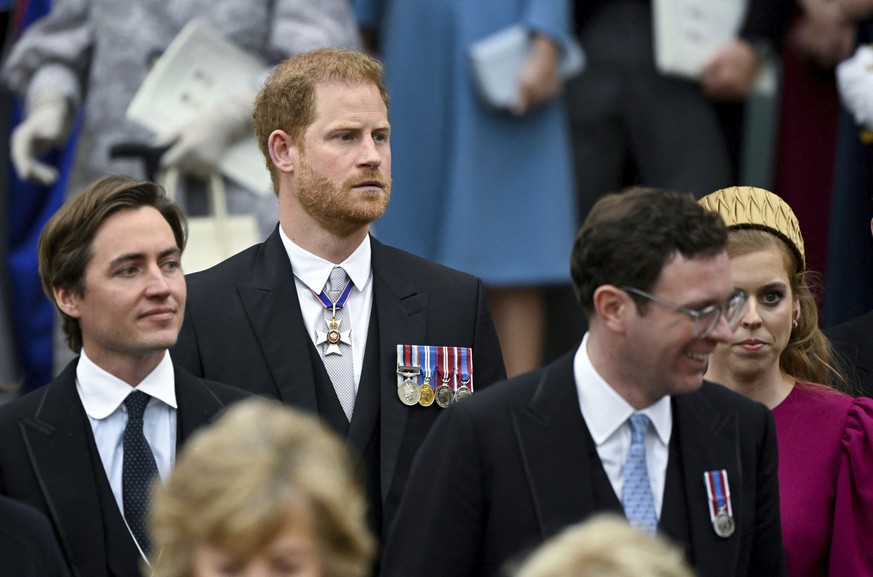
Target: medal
{"type": "Point", "coordinates": [427, 393]}
{"type": "Point", "coordinates": [407, 390]}
{"type": "Point", "coordinates": [719, 495]}
{"type": "Point", "coordinates": [463, 391]}
{"type": "Point", "coordinates": [334, 335]}
{"type": "Point", "coordinates": [444, 391]}
{"type": "Point", "coordinates": [466, 388]}
{"type": "Point", "coordinates": [723, 524]}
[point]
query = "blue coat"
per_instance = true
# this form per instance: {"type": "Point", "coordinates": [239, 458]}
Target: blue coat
{"type": "Point", "coordinates": [476, 189]}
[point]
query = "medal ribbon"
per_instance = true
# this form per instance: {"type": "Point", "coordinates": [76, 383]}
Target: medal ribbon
{"type": "Point", "coordinates": [443, 366]}
{"type": "Point", "coordinates": [718, 491]}
{"type": "Point", "coordinates": [457, 372]}
{"type": "Point", "coordinates": [415, 363]}
{"type": "Point", "coordinates": [466, 367]}
{"type": "Point", "coordinates": [407, 356]}
{"type": "Point", "coordinates": [340, 301]}
{"type": "Point", "coordinates": [429, 356]}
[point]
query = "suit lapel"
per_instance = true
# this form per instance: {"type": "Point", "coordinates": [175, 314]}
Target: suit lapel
{"type": "Point", "coordinates": [555, 446]}
{"type": "Point", "coordinates": [708, 440]}
{"type": "Point", "coordinates": [401, 312]}
{"type": "Point", "coordinates": [197, 405]}
{"type": "Point", "coordinates": [273, 308]}
{"type": "Point", "coordinates": [57, 441]}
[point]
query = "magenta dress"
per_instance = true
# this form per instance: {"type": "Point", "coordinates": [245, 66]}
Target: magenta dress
{"type": "Point", "coordinates": [826, 482]}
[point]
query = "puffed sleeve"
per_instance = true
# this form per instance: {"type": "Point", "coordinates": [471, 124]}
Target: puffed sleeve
{"type": "Point", "coordinates": [851, 553]}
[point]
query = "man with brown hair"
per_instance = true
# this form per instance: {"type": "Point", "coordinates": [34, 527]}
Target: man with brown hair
{"type": "Point", "coordinates": [624, 424]}
{"type": "Point", "coordinates": [84, 449]}
{"type": "Point", "coordinates": [262, 319]}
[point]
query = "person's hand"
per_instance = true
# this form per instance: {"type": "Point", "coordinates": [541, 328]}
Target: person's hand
{"type": "Point", "coordinates": [855, 82]}
{"type": "Point", "coordinates": [731, 73]}
{"type": "Point", "coordinates": [823, 34]}
{"type": "Point", "coordinates": [199, 144]}
{"type": "Point", "coordinates": [46, 125]}
{"type": "Point", "coordinates": [539, 79]}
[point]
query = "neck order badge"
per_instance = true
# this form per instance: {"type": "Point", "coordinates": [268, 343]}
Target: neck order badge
{"type": "Point", "coordinates": [334, 336]}
{"type": "Point", "coordinates": [338, 361]}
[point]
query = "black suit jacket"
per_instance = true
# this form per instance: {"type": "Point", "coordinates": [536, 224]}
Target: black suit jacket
{"type": "Point", "coordinates": [49, 460]}
{"type": "Point", "coordinates": [853, 341]}
{"type": "Point", "coordinates": [243, 326]}
{"type": "Point", "coordinates": [27, 543]}
{"type": "Point", "coordinates": [501, 473]}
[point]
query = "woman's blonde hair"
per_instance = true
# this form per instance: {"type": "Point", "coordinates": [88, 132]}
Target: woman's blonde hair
{"type": "Point", "coordinates": [605, 546]}
{"type": "Point", "coordinates": [238, 483]}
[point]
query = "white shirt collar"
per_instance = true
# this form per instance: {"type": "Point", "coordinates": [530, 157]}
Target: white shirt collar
{"type": "Point", "coordinates": [313, 271]}
{"type": "Point", "coordinates": [604, 410]}
{"type": "Point", "coordinates": [102, 393]}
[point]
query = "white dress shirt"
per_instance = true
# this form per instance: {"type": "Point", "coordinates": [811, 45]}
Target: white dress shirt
{"type": "Point", "coordinates": [606, 413]}
{"type": "Point", "coordinates": [311, 273]}
{"type": "Point", "coordinates": [103, 396]}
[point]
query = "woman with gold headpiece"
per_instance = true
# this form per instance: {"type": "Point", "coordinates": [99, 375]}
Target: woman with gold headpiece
{"type": "Point", "coordinates": [779, 356]}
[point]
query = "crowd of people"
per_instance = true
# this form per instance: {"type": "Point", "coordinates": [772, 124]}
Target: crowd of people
{"type": "Point", "coordinates": [369, 391]}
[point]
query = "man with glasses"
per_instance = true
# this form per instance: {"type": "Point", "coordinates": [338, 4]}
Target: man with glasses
{"type": "Point", "coordinates": [625, 423]}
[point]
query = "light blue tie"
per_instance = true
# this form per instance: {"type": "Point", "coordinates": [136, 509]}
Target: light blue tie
{"type": "Point", "coordinates": [639, 506]}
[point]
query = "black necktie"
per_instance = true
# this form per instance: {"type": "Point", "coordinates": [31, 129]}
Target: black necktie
{"type": "Point", "coordinates": [138, 469]}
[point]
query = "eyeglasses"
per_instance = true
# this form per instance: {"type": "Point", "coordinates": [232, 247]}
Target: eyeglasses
{"type": "Point", "coordinates": [705, 319]}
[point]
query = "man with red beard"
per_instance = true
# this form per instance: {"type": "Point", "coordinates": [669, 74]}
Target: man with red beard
{"type": "Point", "coordinates": [314, 315]}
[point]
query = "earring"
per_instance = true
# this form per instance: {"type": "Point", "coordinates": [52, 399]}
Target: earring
{"type": "Point", "coordinates": [795, 323]}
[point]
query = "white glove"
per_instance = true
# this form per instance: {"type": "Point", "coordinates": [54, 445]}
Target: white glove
{"type": "Point", "coordinates": [46, 125]}
{"type": "Point", "coordinates": [200, 143]}
{"type": "Point", "coordinates": [855, 82]}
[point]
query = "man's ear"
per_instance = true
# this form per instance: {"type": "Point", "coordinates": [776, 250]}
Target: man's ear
{"type": "Point", "coordinates": [611, 306]}
{"type": "Point", "coordinates": [283, 151]}
{"type": "Point", "coordinates": [68, 301]}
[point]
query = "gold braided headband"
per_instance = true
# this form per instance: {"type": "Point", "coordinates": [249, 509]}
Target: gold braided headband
{"type": "Point", "coordinates": [751, 207]}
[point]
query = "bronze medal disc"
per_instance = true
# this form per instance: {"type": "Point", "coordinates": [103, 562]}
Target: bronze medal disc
{"type": "Point", "coordinates": [443, 396]}
{"type": "Point", "coordinates": [462, 393]}
{"type": "Point", "coordinates": [427, 395]}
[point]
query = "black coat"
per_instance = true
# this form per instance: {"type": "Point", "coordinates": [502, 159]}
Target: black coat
{"type": "Point", "coordinates": [49, 460]}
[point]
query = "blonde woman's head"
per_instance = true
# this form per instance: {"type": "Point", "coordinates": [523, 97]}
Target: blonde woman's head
{"type": "Point", "coordinates": [265, 483]}
{"type": "Point", "coordinates": [605, 546]}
